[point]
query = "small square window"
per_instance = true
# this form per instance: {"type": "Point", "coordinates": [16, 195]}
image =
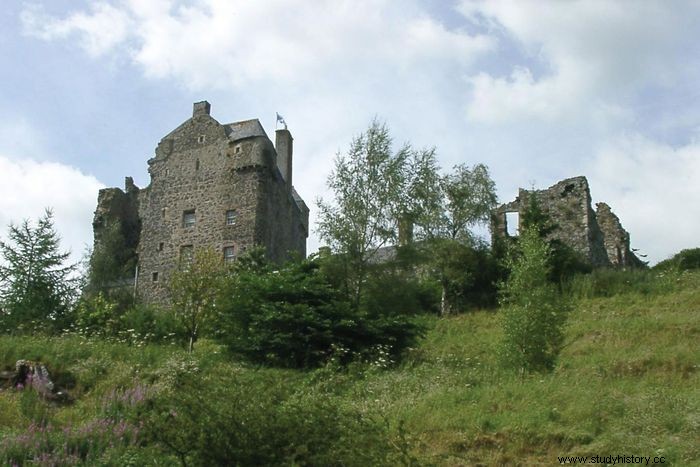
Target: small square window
{"type": "Point", "coordinates": [160, 246]}
{"type": "Point", "coordinates": [201, 138]}
{"type": "Point", "coordinates": [237, 149]}
{"type": "Point", "coordinates": [154, 277]}
{"type": "Point", "coordinates": [231, 216]}
{"type": "Point", "coordinates": [188, 218]}
{"type": "Point", "coordinates": [229, 254]}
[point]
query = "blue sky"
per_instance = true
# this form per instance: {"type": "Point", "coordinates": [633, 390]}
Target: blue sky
{"type": "Point", "coordinates": [537, 90]}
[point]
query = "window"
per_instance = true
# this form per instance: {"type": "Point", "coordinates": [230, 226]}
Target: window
{"type": "Point", "coordinates": [160, 246]}
{"type": "Point", "coordinates": [164, 212]}
{"type": "Point", "coordinates": [513, 224]}
{"type": "Point", "coordinates": [186, 256]}
{"type": "Point", "coordinates": [231, 216]}
{"type": "Point", "coordinates": [188, 218]}
{"type": "Point", "coordinates": [196, 165]}
{"type": "Point", "coordinates": [201, 139]}
{"type": "Point", "coordinates": [237, 149]}
{"type": "Point", "coordinates": [229, 254]}
{"type": "Point", "coordinates": [154, 277]}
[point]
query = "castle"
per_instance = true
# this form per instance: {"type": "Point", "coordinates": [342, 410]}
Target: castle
{"type": "Point", "coordinates": [219, 186]}
{"type": "Point", "coordinates": [598, 236]}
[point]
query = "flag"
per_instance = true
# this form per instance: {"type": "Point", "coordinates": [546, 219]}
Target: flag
{"type": "Point", "coordinates": [280, 119]}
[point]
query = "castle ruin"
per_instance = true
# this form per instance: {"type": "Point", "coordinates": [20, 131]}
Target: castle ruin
{"type": "Point", "coordinates": [221, 186]}
{"type": "Point", "coordinates": [598, 236]}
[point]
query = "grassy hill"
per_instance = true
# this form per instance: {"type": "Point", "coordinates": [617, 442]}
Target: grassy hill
{"type": "Point", "coordinates": [627, 383]}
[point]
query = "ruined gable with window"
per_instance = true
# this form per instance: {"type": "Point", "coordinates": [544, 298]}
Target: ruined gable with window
{"type": "Point", "coordinates": [597, 235]}
{"type": "Point", "coordinates": [218, 186]}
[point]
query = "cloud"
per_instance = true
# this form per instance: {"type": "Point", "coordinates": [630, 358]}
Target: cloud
{"type": "Point", "coordinates": [229, 44]}
{"type": "Point", "coordinates": [99, 31]}
{"type": "Point", "coordinates": [653, 188]}
{"type": "Point", "coordinates": [581, 56]}
{"type": "Point", "coordinates": [29, 187]}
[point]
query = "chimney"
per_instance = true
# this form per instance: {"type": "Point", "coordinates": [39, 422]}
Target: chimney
{"type": "Point", "coordinates": [201, 108]}
{"type": "Point", "coordinates": [283, 146]}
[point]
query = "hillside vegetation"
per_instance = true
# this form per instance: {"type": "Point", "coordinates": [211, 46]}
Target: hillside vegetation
{"type": "Point", "coordinates": [625, 383]}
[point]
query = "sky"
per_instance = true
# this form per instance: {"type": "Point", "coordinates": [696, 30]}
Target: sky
{"type": "Point", "coordinates": [537, 90]}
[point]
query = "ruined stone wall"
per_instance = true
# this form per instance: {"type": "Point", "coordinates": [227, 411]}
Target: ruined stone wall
{"type": "Point", "coordinates": [616, 239]}
{"type": "Point", "coordinates": [568, 203]}
{"type": "Point", "coordinates": [210, 170]}
{"type": "Point", "coordinates": [117, 214]}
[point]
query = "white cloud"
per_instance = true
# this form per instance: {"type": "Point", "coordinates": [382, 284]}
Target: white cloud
{"type": "Point", "coordinates": [222, 43]}
{"type": "Point", "coordinates": [99, 31]}
{"type": "Point", "coordinates": [29, 187]}
{"type": "Point", "coordinates": [653, 189]}
{"type": "Point", "coordinates": [591, 55]}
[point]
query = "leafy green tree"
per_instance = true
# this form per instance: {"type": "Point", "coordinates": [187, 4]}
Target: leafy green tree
{"type": "Point", "coordinates": [534, 312]}
{"type": "Point", "coordinates": [194, 288]}
{"type": "Point", "coordinates": [468, 197]}
{"type": "Point", "coordinates": [374, 190]}
{"type": "Point", "coordinates": [36, 284]}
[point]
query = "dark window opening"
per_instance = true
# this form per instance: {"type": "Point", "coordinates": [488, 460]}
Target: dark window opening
{"type": "Point", "coordinates": [188, 218]}
{"type": "Point", "coordinates": [196, 165]}
{"type": "Point", "coordinates": [154, 277]}
{"type": "Point", "coordinates": [201, 139]}
{"type": "Point", "coordinates": [231, 216]}
{"type": "Point", "coordinates": [229, 254]}
{"type": "Point", "coordinates": [160, 246]}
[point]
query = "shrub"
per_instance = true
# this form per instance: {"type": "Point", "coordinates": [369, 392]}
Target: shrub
{"type": "Point", "coordinates": [684, 260]}
{"type": "Point", "coordinates": [534, 312]}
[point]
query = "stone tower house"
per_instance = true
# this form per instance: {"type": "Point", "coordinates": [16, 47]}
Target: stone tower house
{"type": "Point", "coordinates": [223, 186]}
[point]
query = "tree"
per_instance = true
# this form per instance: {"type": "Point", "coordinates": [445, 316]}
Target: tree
{"type": "Point", "coordinates": [292, 316]}
{"type": "Point", "coordinates": [468, 195]}
{"type": "Point", "coordinates": [194, 288]}
{"type": "Point", "coordinates": [534, 312]}
{"type": "Point", "coordinates": [370, 185]}
{"type": "Point", "coordinates": [36, 285]}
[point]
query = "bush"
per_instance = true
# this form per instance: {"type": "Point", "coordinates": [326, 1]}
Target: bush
{"type": "Point", "coordinates": [684, 260]}
{"type": "Point", "coordinates": [99, 316]}
{"type": "Point", "coordinates": [292, 317]}
{"type": "Point", "coordinates": [534, 312]}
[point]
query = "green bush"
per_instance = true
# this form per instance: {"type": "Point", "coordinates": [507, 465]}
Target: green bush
{"type": "Point", "coordinates": [99, 315]}
{"type": "Point", "coordinates": [534, 312]}
{"type": "Point", "coordinates": [292, 317]}
{"type": "Point", "coordinates": [685, 260]}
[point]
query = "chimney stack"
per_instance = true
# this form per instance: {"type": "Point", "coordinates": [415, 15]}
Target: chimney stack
{"type": "Point", "coordinates": [283, 146]}
{"type": "Point", "coordinates": [201, 108]}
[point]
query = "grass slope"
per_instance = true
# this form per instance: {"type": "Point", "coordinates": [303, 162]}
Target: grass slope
{"type": "Point", "coordinates": [627, 383]}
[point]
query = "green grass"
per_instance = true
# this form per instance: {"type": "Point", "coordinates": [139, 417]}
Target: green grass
{"type": "Point", "coordinates": [627, 382]}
